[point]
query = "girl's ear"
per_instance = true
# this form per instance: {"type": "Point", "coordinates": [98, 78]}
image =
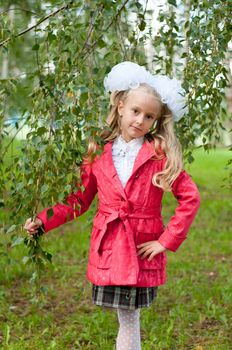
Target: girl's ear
{"type": "Point", "coordinates": [120, 107]}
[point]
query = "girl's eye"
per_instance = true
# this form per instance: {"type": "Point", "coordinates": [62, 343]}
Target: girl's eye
{"type": "Point", "coordinates": [135, 110]}
{"type": "Point", "coordinates": [149, 117]}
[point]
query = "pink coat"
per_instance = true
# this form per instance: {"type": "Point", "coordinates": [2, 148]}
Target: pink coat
{"type": "Point", "coordinates": [127, 217]}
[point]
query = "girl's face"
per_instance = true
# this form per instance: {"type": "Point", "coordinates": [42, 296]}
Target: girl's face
{"type": "Point", "coordinates": [138, 113]}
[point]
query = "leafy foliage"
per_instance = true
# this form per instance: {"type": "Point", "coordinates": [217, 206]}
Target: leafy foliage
{"type": "Point", "coordinates": [57, 54]}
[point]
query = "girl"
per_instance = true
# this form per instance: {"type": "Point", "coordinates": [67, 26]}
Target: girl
{"type": "Point", "coordinates": [141, 160]}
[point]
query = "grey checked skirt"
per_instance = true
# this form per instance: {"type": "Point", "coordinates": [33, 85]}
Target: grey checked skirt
{"type": "Point", "coordinates": [123, 297]}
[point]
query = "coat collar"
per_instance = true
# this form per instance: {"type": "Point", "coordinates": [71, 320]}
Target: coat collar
{"type": "Point", "coordinates": [106, 163]}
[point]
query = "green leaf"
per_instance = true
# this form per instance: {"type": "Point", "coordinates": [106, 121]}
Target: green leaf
{"type": "Point", "coordinates": [67, 38]}
{"type": "Point", "coordinates": [172, 2]}
{"type": "Point", "coordinates": [47, 256]}
{"type": "Point", "coordinates": [84, 97]}
{"type": "Point", "coordinates": [44, 188]}
{"type": "Point", "coordinates": [11, 229]}
{"type": "Point", "coordinates": [7, 335]}
{"type": "Point", "coordinates": [18, 241]}
{"type": "Point", "coordinates": [101, 43]}
{"type": "Point", "coordinates": [50, 213]}
{"type": "Point", "coordinates": [142, 25]}
{"type": "Point", "coordinates": [25, 259]}
{"type": "Point", "coordinates": [41, 130]}
{"type": "Point", "coordinates": [190, 158]}
{"type": "Point", "coordinates": [35, 47]}
{"type": "Point", "coordinates": [51, 37]}
{"type": "Point", "coordinates": [184, 55]}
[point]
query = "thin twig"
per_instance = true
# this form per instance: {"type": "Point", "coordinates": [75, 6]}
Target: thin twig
{"type": "Point", "coordinates": [13, 138]}
{"type": "Point", "coordinates": [122, 43]}
{"type": "Point", "coordinates": [105, 30]}
{"type": "Point", "coordinates": [139, 31]}
{"type": "Point", "coordinates": [91, 29]}
{"type": "Point", "coordinates": [32, 73]}
{"type": "Point", "coordinates": [37, 24]}
{"type": "Point", "coordinates": [18, 9]}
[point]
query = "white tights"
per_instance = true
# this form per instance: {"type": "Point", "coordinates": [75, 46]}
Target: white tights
{"type": "Point", "coordinates": [129, 330]}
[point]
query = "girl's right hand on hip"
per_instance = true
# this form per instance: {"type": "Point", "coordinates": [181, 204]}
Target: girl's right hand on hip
{"type": "Point", "coordinates": [32, 226]}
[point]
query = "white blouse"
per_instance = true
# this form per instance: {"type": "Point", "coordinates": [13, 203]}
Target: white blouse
{"type": "Point", "coordinates": [124, 154]}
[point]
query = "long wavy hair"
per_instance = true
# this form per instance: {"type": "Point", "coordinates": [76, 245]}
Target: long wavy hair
{"type": "Point", "coordinates": [162, 134]}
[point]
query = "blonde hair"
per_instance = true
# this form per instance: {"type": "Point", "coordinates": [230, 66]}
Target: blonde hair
{"type": "Point", "coordinates": [163, 135]}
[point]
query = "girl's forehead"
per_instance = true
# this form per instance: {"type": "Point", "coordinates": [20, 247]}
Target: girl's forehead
{"type": "Point", "coordinates": [143, 98]}
{"type": "Point", "coordinates": [142, 94]}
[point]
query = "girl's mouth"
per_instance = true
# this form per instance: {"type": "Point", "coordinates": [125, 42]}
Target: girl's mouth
{"type": "Point", "coordinates": [134, 127]}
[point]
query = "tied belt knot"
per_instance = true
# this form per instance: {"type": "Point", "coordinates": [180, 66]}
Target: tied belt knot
{"type": "Point", "coordinates": [123, 210]}
{"type": "Point", "coordinates": [124, 244]}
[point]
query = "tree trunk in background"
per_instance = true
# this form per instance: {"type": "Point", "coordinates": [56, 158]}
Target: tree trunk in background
{"type": "Point", "coordinates": [227, 137]}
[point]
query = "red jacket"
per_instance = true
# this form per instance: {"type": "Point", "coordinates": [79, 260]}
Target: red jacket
{"type": "Point", "coordinates": [127, 217]}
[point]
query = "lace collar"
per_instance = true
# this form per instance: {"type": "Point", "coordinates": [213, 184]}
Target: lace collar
{"type": "Point", "coordinates": [121, 147]}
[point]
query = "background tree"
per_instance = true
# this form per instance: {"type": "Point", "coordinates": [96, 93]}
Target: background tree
{"type": "Point", "coordinates": [54, 57]}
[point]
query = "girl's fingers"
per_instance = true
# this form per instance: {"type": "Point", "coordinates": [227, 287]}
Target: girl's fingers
{"type": "Point", "coordinates": [144, 244]}
{"type": "Point", "coordinates": [38, 222]}
{"type": "Point", "coordinates": [140, 251]}
{"type": "Point", "coordinates": [152, 255]}
{"type": "Point", "coordinates": [143, 247]}
{"type": "Point", "coordinates": [32, 226]}
{"type": "Point", "coordinates": [35, 223]}
{"type": "Point", "coordinates": [145, 251]}
{"type": "Point", "coordinates": [32, 229]}
{"type": "Point", "coordinates": [28, 221]}
{"type": "Point", "coordinates": [31, 232]}
{"type": "Point", "coordinates": [148, 249]}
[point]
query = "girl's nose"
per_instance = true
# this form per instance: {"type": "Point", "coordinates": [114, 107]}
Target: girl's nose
{"type": "Point", "coordinates": [140, 119]}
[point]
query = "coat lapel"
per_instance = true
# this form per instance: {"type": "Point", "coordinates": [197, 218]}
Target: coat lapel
{"type": "Point", "coordinates": [107, 165]}
{"type": "Point", "coordinates": [146, 152]}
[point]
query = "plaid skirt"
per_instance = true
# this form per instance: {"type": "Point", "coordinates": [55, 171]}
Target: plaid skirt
{"type": "Point", "coordinates": [123, 297]}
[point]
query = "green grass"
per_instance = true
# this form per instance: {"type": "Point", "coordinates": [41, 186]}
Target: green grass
{"type": "Point", "coordinates": [192, 311]}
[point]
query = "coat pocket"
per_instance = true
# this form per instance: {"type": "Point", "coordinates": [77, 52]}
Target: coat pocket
{"type": "Point", "coordinates": [159, 260]}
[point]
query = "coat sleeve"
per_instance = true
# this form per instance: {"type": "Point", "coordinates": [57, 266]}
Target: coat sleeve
{"type": "Point", "coordinates": [188, 197]}
{"type": "Point", "coordinates": [77, 203]}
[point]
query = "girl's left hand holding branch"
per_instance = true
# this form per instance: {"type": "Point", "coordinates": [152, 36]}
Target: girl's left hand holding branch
{"type": "Point", "coordinates": [151, 248]}
{"type": "Point", "coordinates": [32, 226]}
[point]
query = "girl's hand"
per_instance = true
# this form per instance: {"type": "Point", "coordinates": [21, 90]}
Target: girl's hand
{"type": "Point", "coordinates": [32, 226]}
{"type": "Point", "coordinates": [151, 248]}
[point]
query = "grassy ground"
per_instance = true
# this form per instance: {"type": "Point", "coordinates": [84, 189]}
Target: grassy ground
{"type": "Point", "coordinates": [192, 311]}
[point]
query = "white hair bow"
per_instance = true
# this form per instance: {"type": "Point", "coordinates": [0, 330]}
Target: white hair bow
{"type": "Point", "coordinates": [128, 75]}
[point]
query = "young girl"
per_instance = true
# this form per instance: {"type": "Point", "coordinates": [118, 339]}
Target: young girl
{"type": "Point", "coordinates": [141, 159]}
